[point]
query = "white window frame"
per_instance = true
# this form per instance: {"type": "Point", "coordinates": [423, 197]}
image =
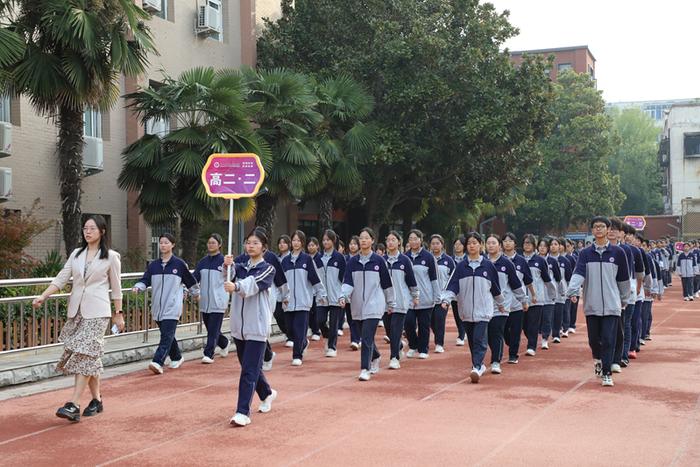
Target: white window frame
{"type": "Point", "coordinates": [163, 13]}
{"type": "Point", "coordinates": [5, 103]}
{"type": "Point", "coordinates": [564, 66]}
{"type": "Point", "coordinates": [92, 122]}
{"type": "Point", "coordinates": [157, 126]}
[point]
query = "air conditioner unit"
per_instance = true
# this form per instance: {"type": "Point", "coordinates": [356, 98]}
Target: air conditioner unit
{"type": "Point", "coordinates": [152, 5]}
{"type": "Point", "coordinates": [5, 183]}
{"type": "Point", "coordinates": [208, 19]}
{"type": "Point", "coordinates": [5, 139]}
{"type": "Point", "coordinates": [93, 156]}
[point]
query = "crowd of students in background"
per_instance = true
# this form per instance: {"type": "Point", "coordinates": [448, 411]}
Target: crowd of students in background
{"type": "Point", "coordinates": [499, 291]}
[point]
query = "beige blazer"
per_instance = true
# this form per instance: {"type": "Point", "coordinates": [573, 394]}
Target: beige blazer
{"type": "Point", "coordinates": [90, 292]}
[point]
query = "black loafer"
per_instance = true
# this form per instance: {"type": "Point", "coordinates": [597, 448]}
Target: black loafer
{"type": "Point", "coordinates": [70, 411]}
{"type": "Point", "coordinates": [93, 408]}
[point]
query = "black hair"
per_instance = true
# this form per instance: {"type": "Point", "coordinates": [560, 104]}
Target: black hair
{"type": "Point", "coordinates": [355, 239]}
{"type": "Point", "coordinates": [286, 239]}
{"type": "Point", "coordinates": [630, 230]}
{"type": "Point", "coordinates": [369, 232]}
{"type": "Point", "coordinates": [439, 237]}
{"type": "Point", "coordinates": [397, 235]}
{"type": "Point", "coordinates": [602, 219]}
{"type": "Point", "coordinates": [475, 235]}
{"type": "Point", "coordinates": [217, 237]}
{"type": "Point", "coordinates": [101, 224]}
{"type": "Point", "coordinates": [511, 236]}
{"type": "Point", "coordinates": [260, 235]}
{"type": "Point", "coordinates": [332, 236]}
{"type": "Point", "coordinates": [169, 236]}
{"type": "Point", "coordinates": [546, 241]}
{"type": "Point", "coordinates": [531, 239]}
{"type": "Point", "coordinates": [313, 240]}
{"type": "Point", "coordinates": [496, 236]}
{"type": "Point", "coordinates": [301, 236]}
{"type": "Point", "coordinates": [380, 246]}
{"type": "Point", "coordinates": [417, 233]}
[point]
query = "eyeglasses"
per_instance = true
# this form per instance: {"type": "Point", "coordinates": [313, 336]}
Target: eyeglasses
{"type": "Point", "coordinates": [599, 226]}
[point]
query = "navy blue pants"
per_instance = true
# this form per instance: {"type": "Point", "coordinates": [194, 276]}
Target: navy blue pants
{"type": "Point", "coordinates": [369, 351]}
{"type": "Point", "coordinates": [280, 319]}
{"type": "Point", "coordinates": [477, 335]}
{"type": "Point", "coordinates": [627, 314]}
{"type": "Point", "coordinates": [566, 315]}
{"type": "Point", "coordinates": [458, 321]}
{"type": "Point", "coordinates": [573, 314]}
{"type": "Point", "coordinates": [496, 330]}
{"type": "Point", "coordinates": [546, 323]}
{"type": "Point", "coordinates": [688, 285]}
{"type": "Point", "coordinates": [328, 317]}
{"type": "Point", "coordinates": [394, 331]}
{"type": "Point", "coordinates": [167, 347]}
{"type": "Point", "coordinates": [313, 319]}
{"type": "Point", "coordinates": [252, 380]}
{"type": "Point", "coordinates": [297, 324]}
{"type": "Point", "coordinates": [437, 324]}
{"type": "Point", "coordinates": [646, 319]}
{"type": "Point", "coordinates": [212, 321]}
{"type": "Point", "coordinates": [696, 283]}
{"type": "Point", "coordinates": [619, 340]}
{"type": "Point", "coordinates": [636, 325]}
{"type": "Point", "coordinates": [420, 340]}
{"type": "Point", "coordinates": [514, 327]}
{"type": "Point", "coordinates": [354, 326]}
{"type": "Point", "coordinates": [601, 339]}
{"type": "Point", "coordinates": [557, 319]}
{"type": "Point", "coordinates": [534, 321]}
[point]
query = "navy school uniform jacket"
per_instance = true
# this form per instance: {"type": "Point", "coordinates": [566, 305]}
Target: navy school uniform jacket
{"type": "Point", "coordinates": [605, 278]}
{"type": "Point", "coordinates": [474, 286]}
{"type": "Point", "coordinates": [280, 289]}
{"type": "Point", "coordinates": [331, 271]}
{"type": "Point", "coordinates": [686, 264]}
{"type": "Point", "coordinates": [166, 281]}
{"type": "Point", "coordinates": [425, 270]}
{"type": "Point", "coordinates": [641, 271]}
{"type": "Point", "coordinates": [511, 286]}
{"type": "Point", "coordinates": [458, 259]}
{"type": "Point", "coordinates": [566, 271]}
{"type": "Point", "coordinates": [555, 274]}
{"type": "Point", "coordinates": [367, 286]}
{"type": "Point", "coordinates": [524, 274]}
{"type": "Point", "coordinates": [445, 266]}
{"type": "Point", "coordinates": [209, 273]}
{"type": "Point", "coordinates": [403, 281]}
{"type": "Point", "coordinates": [545, 288]}
{"type": "Point", "coordinates": [303, 282]}
{"type": "Point", "coordinates": [252, 306]}
{"type": "Point", "coordinates": [653, 283]}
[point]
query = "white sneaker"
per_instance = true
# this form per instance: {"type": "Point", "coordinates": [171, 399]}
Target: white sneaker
{"type": "Point", "coordinates": [545, 345]}
{"type": "Point", "coordinates": [355, 345]}
{"type": "Point", "coordinates": [556, 340]}
{"type": "Point", "coordinates": [340, 332]}
{"type": "Point", "coordinates": [411, 353]}
{"type": "Point", "coordinates": [364, 375]}
{"type": "Point", "coordinates": [174, 364]}
{"type": "Point", "coordinates": [685, 299]}
{"type": "Point", "coordinates": [496, 368]}
{"type": "Point", "coordinates": [423, 356]}
{"type": "Point", "coordinates": [482, 370]}
{"type": "Point", "coordinates": [439, 349]}
{"type": "Point", "coordinates": [315, 337]}
{"type": "Point", "coordinates": [240, 420]}
{"type": "Point", "coordinates": [565, 334]}
{"type": "Point", "coordinates": [267, 366]}
{"type": "Point", "coordinates": [346, 325]}
{"type": "Point", "coordinates": [387, 340]}
{"type": "Point", "coordinates": [616, 368]}
{"type": "Point", "coordinates": [459, 342]}
{"type": "Point", "coordinates": [530, 352]}
{"type": "Point", "coordinates": [571, 331]}
{"type": "Point", "coordinates": [380, 323]}
{"type": "Point", "coordinates": [474, 375]}
{"type": "Point", "coordinates": [155, 368]}
{"type": "Point", "coordinates": [394, 364]}
{"type": "Point", "coordinates": [224, 352]}
{"type": "Point", "coordinates": [607, 381]}
{"type": "Point", "coordinates": [374, 366]}
{"type": "Point", "coordinates": [330, 353]}
{"type": "Point", "coordinates": [289, 344]}
{"type": "Point", "coordinates": [296, 362]}
{"type": "Point", "coordinates": [266, 405]}
{"type": "Point", "coordinates": [206, 359]}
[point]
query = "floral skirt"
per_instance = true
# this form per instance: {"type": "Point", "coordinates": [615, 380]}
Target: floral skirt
{"type": "Point", "coordinates": [84, 341]}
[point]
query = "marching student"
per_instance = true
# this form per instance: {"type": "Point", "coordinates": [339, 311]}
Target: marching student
{"type": "Point", "coordinates": [213, 299]}
{"type": "Point", "coordinates": [545, 291]}
{"type": "Point", "coordinates": [380, 249]}
{"type": "Point", "coordinates": [474, 285]}
{"type": "Point", "coordinates": [556, 248]}
{"type": "Point", "coordinates": [543, 248]}
{"type": "Point", "coordinates": [652, 292]}
{"type": "Point", "coordinates": [602, 272]}
{"type": "Point", "coordinates": [284, 248]}
{"type": "Point", "coordinates": [659, 294]}
{"type": "Point", "coordinates": [572, 255]}
{"type": "Point", "coordinates": [512, 291]}
{"type": "Point", "coordinates": [696, 281]}
{"type": "Point", "coordinates": [445, 265]}
{"type": "Point", "coordinates": [616, 237]}
{"type": "Point", "coordinates": [166, 278]}
{"type": "Point", "coordinates": [355, 338]}
{"type": "Point", "coordinates": [686, 270]}
{"type": "Point", "coordinates": [96, 270]}
{"type": "Point", "coordinates": [251, 308]}
{"type": "Point", "coordinates": [331, 268]}
{"type": "Point", "coordinates": [406, 291]}
{"type": "Point", "coordinates": [514, 323]}
{"type": "Point", "coordinates": [569, 269]}
{"type": "Point", "coordinates": [312, 248]}
{"type": "Point", "coordinates": [458, 256]}
{"type": "Point", "coordinates": [367, 285]}
{"type": "Point", "coordinates": [425, 271]}
{"type": "Point", "coordinates": [304, 284]}
{"type": "Point", "coordinates": [642, 275]}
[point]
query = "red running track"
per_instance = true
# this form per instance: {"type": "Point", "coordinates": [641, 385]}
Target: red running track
{"type": "Point", "coordinates": [547, 410]}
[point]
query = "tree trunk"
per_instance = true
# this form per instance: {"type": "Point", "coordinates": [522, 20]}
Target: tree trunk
{"type": "Point", "coordinates": [266, 213]}
{"type": "Point", "coordinates": [406, 225]}
{"type": "Point", "coordinates": [325, 215]}
{"type": "Point", "coordinates": [189, 233]}
{"type": "Point", "coordinates": [70, 173]}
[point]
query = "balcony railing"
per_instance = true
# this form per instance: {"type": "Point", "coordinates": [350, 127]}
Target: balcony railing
{"type": "Point", "coordinates": [23, 327]}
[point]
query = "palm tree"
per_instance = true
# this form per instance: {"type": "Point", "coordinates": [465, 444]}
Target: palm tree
{"type": "Point", "coordinates": [285, 117]}
{"type": "Point", "coordinates": [209, 114]}
{"type": "Point", "coordinates": [73, 54]}
{"type": "Point", "coordinates": [342, 141]}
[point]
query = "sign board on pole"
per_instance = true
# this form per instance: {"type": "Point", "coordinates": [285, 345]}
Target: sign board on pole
{"type": "Point", "coordinates": [638, 222]}
{"type": "Point", "coordinates": [679, 246]}
{"type": "Point", "coordinates": [233, 176]}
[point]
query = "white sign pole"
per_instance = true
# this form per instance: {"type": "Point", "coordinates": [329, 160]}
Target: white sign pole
{"type": "Point", "coordinates": [230, 236]}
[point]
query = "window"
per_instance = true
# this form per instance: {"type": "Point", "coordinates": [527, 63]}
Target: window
{"type": "Point", "coordinates": [92, 123]}
{"type": "Point", "coordinates": [5, 108]}
{"type": "Point", "coordinates": [157, 126]}
{"type": "Point", "coordinates": [591, 71]}
{"type": "Point", "coordinates": [563, 67]}
{"type": "Point", "coordinates": [163, 13]}
{"type": "Point", "coordinates": [691, 144]}
{"type": "Point", "coordinates": [217, 20]}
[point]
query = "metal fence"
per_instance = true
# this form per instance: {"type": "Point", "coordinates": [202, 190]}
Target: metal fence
{"type": "Point", "coordinates": [690, 218]}
{"type": "Point", "coordinates": [22, 326]}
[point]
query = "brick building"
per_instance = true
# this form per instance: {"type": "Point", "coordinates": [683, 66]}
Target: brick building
{"type": "Point", "coordinates": [577, 58]}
